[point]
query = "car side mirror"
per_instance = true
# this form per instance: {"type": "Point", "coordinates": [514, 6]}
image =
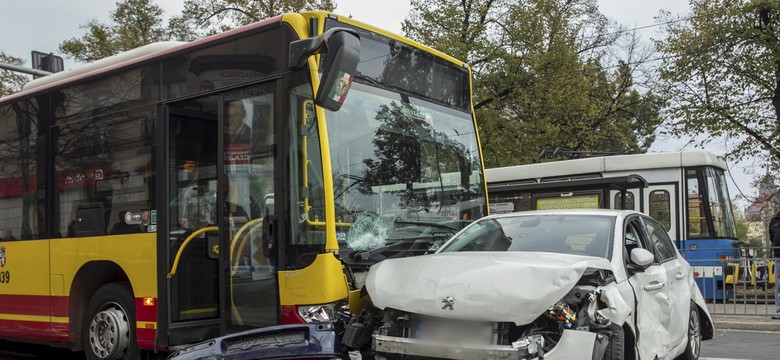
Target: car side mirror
{"type": "Point", "coordinates": [341, 47]}
{"type": "Point", "coordinates": [642, 258]}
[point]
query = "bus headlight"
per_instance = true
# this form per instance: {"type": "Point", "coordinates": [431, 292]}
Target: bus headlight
{"type": "Point", "coordinates": [317, 313]}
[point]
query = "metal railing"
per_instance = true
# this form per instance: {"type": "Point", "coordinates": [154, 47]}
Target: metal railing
{"type": "Point", "coordinates": [742, 284]}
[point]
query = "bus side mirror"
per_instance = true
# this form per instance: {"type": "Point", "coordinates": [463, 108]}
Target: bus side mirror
{"type": "Point", "coordinates": [342, 49]}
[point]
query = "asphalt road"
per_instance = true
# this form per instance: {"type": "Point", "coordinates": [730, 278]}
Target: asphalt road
{"type": "Point", "coordinates": [727, 345]}
{"type": "Point", "coordinates": [742, 345]}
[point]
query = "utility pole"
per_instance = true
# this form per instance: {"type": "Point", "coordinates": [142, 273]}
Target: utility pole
{"type": "Point", "coordinates": [24, 69]}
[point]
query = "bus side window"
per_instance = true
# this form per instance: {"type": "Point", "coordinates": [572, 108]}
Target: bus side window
{"type": "Point", "coordinates": [105, 171]}
{"type": "Point", "coordinates": [21, 187]}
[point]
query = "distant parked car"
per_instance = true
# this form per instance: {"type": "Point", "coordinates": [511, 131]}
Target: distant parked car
{"type": "Point", "coordinates": [562, 284]}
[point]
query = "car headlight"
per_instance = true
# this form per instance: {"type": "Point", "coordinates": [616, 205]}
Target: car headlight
{"type": "Point", "coordinates": [317, 313]}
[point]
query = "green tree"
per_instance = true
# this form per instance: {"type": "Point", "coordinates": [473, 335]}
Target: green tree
{"type": "Point", "coordinates": [722, 68]}
{"type": "Point", "coordinates": [11, 82]}
{"type": "Point", "coordinates": [542, 75]}
{"type": "Point", "coordinates": [136, 23]}
{"type": "Point", "coordinates": [212, 16]}
{"type": "Point", "coordinates": [133, 23]}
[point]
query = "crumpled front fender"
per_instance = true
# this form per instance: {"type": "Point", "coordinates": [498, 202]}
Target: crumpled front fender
{"type": "Point", "coordinates": [617, 310]}
{"type": "Point", "coordinates": [277, 342]}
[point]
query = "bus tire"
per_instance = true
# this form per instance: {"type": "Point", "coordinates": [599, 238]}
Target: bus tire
{"type": "Point", "coordinates": [108, 329]}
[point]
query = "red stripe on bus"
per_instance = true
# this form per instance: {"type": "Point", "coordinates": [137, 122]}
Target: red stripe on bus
{"type": "Point", "coordinates": [60, 328]}
{"type": "Point", "coordinates": [146, 345]}
{"type": "Point", "coordinates": [7, 332]}
{"type": "Point", "coordinates": [25, 305]}
{"type": "Point", "coordinates": [38, 305]}
{"type": "Point", "coordinates": [145, 335]}
{"type": "Point", "coordinates": [59, 306]}
{"type": "Point", "coordinates": [145, 313]}
{"type": "Point", "coordinates": [21, 325]}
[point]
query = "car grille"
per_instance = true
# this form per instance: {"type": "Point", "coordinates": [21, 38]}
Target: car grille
{"type": "Point", "coordinates": [442, 330]}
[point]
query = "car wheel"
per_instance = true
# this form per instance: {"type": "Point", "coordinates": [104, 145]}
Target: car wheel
{"type": "Point", "coordinates": [108, 329]}
{"type": "Point", "coordinates": [693, 347]}
{"type": "Point", "coordinates": [616, 347]}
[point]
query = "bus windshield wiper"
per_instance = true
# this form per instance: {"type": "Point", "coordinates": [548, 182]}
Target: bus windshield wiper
{"type": "Point", "coordinates": [429, 223]}
{"type": "Point", "coordinates": [368, 79]}
{"type": "Point", "coordinates": [386, 86]}
{"type": "Point", "coordinates": [398, 241]}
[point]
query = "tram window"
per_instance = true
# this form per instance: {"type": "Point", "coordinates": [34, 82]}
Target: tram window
{"type": "Point", "coordinates": [720, 206]}
{"type": "Point", "coordinates": [629, 202]}
{"type": "Point", "coordinates": [697, 217]}
{"type": "Point", "coordinates": [660, 208]}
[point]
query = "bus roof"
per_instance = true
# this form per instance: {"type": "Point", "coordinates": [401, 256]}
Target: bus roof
{"type": "Point", "coordinates": [124, 59]}
{"type": "Point", "coordinates": [125, 56]}
{"type": "Point", "coordinates": [159, 49]}
{"type": "Point", "coordinates": [604, 164]}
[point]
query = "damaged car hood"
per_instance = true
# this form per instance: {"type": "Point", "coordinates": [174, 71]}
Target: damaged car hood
{"type": "Point", "coordinates": [484, 286]}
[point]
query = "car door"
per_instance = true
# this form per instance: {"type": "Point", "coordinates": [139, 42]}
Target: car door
{"type": "Point", "coordinates": [677, 273]}
{"type": "Point", "coordinates": [652, 314]}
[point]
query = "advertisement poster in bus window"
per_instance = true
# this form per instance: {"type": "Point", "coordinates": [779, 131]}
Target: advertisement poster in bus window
{"type": "Point", "coordinates": [249, 167]}
{"type": "Point", "coordinates": [568, 202]}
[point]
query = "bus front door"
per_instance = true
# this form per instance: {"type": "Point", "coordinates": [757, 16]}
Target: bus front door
{"type": "Point", "coordinates": [191, 233]}
{"type": "Point", "coordinates": [248, 180]}
{"type": "Point", "coordinates": [220, 179]}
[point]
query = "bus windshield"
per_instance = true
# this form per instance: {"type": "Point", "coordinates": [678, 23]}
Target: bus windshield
{"type": "Point", "coordinates": [402, 167]}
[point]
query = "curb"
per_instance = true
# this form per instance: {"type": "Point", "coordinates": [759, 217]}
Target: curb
{"type": "Point", "coordinates": [747, 324]}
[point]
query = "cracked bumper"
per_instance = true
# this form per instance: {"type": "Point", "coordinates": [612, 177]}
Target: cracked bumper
{"type": "Point", "coordinates": [571, 346]}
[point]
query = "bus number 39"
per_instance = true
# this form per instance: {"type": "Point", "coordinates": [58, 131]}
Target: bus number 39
{"type": "Point", "coordinates": [5, 277]}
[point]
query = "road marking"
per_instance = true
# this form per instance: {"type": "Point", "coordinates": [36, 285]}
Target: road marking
{"type": "Point", "coordinates": [707, 358]}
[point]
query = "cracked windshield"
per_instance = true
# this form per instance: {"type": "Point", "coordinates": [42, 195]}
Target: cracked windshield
{"type": "Point", "coordinates": [406, 171]}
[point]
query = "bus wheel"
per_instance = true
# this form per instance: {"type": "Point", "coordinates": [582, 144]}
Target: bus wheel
{"type": "Point", "coordinates": [109, 324]}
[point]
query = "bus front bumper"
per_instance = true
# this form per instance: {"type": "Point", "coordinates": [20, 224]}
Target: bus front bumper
{"type": "Point", "coordinates": [277, 342]}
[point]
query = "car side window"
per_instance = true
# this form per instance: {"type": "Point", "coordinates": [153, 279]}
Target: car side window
{"type": "Point", "coordinates": [633, 237]}
{"type": "Point", "coordinates": [660, 243]}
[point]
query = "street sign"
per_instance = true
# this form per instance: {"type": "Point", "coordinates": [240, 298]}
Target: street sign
{"type": "Point", "coordinates": [47, 62]}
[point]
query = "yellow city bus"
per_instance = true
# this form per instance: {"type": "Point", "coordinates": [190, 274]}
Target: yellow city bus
{"type": "Point", "coordinates": [181, 191]}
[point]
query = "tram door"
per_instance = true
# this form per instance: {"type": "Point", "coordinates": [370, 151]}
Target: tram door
{"type": "Point", "coordinates": [660, 205]}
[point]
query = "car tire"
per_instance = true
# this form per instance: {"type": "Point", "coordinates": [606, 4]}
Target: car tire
{"type": "Point", "coordinates": [693, 347]}
{"type": "Point", "coordinates": [108, 329]}
{"type": "Point", "coordinates": [617, 346]}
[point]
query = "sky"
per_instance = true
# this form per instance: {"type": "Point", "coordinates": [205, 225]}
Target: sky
{"type": "Point", "coordinates": [55, 21]}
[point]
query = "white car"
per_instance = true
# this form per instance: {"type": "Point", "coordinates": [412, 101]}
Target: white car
{"type": "Point", "coordinates": [561, 284]}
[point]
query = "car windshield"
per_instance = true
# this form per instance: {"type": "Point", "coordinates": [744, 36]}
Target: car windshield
{"type": "Point", "coordinates": [588, 235]}
{"type": "Point", "coordinates": [403, 169]}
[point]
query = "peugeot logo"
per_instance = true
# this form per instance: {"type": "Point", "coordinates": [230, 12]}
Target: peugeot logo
{"type": "Point", "coordinates": [448, 302]}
